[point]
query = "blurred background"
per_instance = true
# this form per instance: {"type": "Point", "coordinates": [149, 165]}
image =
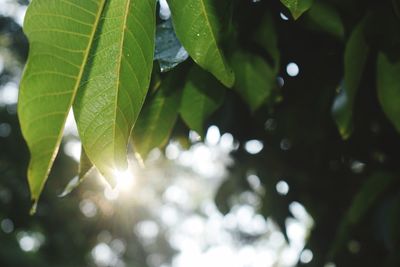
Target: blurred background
{"type": "Point", "coordinates": [277, 187]}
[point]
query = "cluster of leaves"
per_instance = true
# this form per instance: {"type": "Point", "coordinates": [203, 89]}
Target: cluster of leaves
{"type": "Point", "coordinates": [96, 57]}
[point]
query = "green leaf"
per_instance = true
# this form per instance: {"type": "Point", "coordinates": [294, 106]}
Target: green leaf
{"type": "Point", "coordinates": [389, 88]}
{"type": "Point", "coordinates": [116, 82]}
{"type": "Point", "coordinates": [85, 165]}
{"type": "Point", "coordinates": [325, 18]}
{"type": "Point", "coordinates": [60, 34]}
{"type": "Point", "coordinates": [198, 29]}
{"type": "Point", "coordinates": [202, 95]}
{"type": "Point", "coordinates": [355, 58]}
{"type": "Point", "coordinates": [255, 79]}
{"type": "Point", "coordinates": [158, 117]}
{"type": "Point", "coordinates": [376, 184]}
{"type": "Point", "coordinates": [297, 7]}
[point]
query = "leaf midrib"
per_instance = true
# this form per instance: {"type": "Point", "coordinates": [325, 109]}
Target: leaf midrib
{"type": "Point", "coordinates": [119, 63]}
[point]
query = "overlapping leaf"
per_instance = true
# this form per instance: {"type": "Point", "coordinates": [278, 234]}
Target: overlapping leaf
{"type": "Point", "coordinates": [198, 29]}
{"type": "Point", "coordinates": [60, 34]}
{"type": "Point", "coordinates": [297, 7]}
{"type": "Point", "coordinates": [202, 95]}
{"type": "Point", "coordinates": [388, 85]}
{"type": "Point", "coordinates": [355, 58]}
{"type": "Point", "coordinates": [116, 82]}
{"type": "Point", "coordinates": [158, 117]}
{"type": "Point", "coordinates": [255, 79]}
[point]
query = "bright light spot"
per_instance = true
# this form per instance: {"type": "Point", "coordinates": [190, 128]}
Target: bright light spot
{"type": "Point", "coordinates": [172, 151]}
{"type": "Point", "coordinates": [283, 16]}
{"type": "Point", "coordinates": [30, 242]}
{"type": "Point", "coordinates": [282, 188]}
{"type": "Point", "coordinates": [253, 146]}
{"type": "Point", "coordinates": [72, 148]}
{"type": "Point", "coordinates": [357, 166]}
{"type": "Point", "coordinates": [194, 137]}
{"type": "Point", "coordinates": [255, 183]}
{"type": "Point", "coordinates": [27, 243]}
{"type": "Point", "coordinates": [213, 135]}
{"type": "Point", "coordinates": [292, 69]}
{"type": "Point", "coordinates": [9, 94]}
{"type": "Point", "coordinates": [306, 256]}
{"type": "Point", "coordinates": [88, 208]}
{"type": "Point", "coordinates": [5, 129]}
{"type": "Point", "coordinates": [301, 214]}
{"type": "Point", "coordinates": [147, 229]}
{"type": "Point", "coordinates": [103, 255]}
{"type": "Point", "coordinates": [296, 232]}
{"type": "Point", "coordinates": [7, 226]}
{"type": "Point", "coordinates": [125, 180]}
{"type": "Point", "coordinates": [165, 12]}
{"type": "Point", "coordinates": [227, 142]}
{"type": "Point", "coordinates": [70, 125]}
{"type": "Point", "coordinates": [289, 256]}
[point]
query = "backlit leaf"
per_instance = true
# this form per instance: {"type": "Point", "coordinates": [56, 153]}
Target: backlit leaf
{"type": "Point", "coordinates": [60, 34]}
{"type": "Point", "coordinates": [198, 29]}
{"type": "Point", "coordinates": [115, 85]}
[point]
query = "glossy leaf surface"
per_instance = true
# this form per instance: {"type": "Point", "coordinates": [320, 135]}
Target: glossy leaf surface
{"type": "Point", "coordinates": [115, 85]}
{"type": "Point", "coordinates": [197, 26]}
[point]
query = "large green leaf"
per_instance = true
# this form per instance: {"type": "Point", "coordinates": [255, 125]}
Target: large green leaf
{"type": "Point", "coordinates": [255, 79]}
{"type": "Point", "coordinates": [202, 95]}
{"type": "Point", "coordinates": [60, 34]}
{"type": "Point", "coordinates": [158, 117]}
{"type": "Point", "coordinates": [198, 29]}
{"type": "Point", "coordinates": [389, 88]}
{"type": "Point", "coordinates": [355, 58]}
{"type": "Point", "coordinates": [297, 7]}
{"type": "Point", "coordinates": [116, 82]}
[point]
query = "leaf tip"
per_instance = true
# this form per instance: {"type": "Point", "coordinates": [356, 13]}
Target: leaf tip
{"type": "Point", "coordinates": [33, 209]}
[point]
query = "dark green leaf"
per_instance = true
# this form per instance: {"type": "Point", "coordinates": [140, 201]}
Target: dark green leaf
{"type": "Point", "coordinates": [355, 58]}
{"type": "Point", "coordinates": [157, 118]}
{"type": "Point", "coordinates": [202, 95]}
{"type": "Point", "coordinates": [368, 194]}
{"type": "Point", "coordinates": [297, 7]}
{"type": "Point", "coordinates": [325, 18]}
{"type": "Point", "coordinates": [255, 79]}
{"type": "Point", "coordinates": [116, 82]}
{"type": "Point", "coordinates": [60, 34]}
{"type": "Point", "coordinates": [389, 88]}
{"type": "Point", "coordinates": [198, 28]}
